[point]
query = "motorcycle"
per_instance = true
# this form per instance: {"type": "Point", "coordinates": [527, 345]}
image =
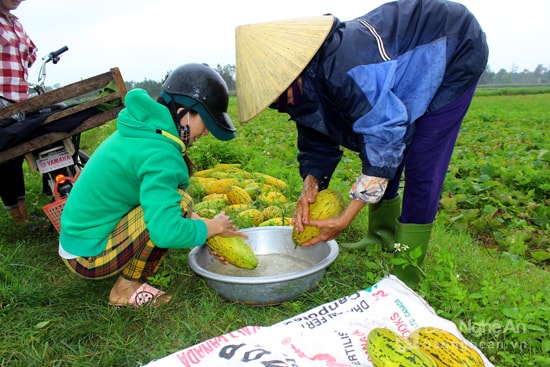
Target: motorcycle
{"type": "Point", "coordinates": [58, 163]}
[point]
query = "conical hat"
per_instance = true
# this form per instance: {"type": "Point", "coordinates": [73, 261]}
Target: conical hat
{"type": "Point", "coordinates": [270, 56]}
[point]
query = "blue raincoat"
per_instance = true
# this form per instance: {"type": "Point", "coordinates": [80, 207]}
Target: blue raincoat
{"type": "Point", "coordinates": [374, 76]}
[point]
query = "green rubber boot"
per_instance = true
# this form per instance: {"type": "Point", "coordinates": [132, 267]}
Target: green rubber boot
{"type": "Point", "coordinates": [381, 226]}
{"type": "Point", "coordinates": [413, 236]}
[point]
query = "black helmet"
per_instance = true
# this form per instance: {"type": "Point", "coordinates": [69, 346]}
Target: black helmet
{"type": "Point", "coordinates": [201, 88]}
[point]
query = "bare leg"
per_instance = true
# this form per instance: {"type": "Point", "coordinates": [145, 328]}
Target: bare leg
{"type": "Point", "coordinates": [23, 209]}
{"type": "Point", "coordinates": [19, 214]}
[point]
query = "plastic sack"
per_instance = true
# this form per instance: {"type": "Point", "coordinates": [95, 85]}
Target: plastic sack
{"type": "Point", "coordinates": [331, 335]}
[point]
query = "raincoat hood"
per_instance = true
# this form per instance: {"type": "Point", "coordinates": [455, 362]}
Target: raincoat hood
{"type": "Point", "coordinates": [145, 118]}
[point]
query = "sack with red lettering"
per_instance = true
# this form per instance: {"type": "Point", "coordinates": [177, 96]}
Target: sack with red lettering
{"type": "Point", "coordinates": [331, 335]}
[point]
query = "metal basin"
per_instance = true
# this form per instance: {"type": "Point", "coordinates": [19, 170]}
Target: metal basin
{"type": "Point", "coordinates": [283, 271]}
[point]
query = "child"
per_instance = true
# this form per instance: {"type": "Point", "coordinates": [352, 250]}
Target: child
{"type": "Point", "coordinates": [128, 207]}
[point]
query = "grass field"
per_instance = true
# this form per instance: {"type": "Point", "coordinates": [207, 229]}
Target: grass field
{"type": "Point", "coordinates": [487, 268]}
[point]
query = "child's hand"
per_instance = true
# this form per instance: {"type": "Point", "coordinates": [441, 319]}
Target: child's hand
{"type": "Point", "coordinates": [215, 254]}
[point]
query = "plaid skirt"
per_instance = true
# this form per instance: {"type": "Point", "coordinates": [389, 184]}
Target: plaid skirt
{"type": "Point", "coordinates": [129, 250]}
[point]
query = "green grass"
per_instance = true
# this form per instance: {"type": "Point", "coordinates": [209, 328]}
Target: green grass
{"type": "Point", "coordinates": [481, 272]}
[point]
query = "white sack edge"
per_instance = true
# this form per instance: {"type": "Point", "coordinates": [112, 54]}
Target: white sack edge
{"type": "Point", "coordinates": [331, 335]}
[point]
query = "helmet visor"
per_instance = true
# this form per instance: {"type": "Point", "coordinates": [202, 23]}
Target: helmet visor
{"type": "Point", "coordinates": [219, 124]}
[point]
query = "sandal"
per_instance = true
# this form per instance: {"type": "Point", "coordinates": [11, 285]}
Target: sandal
{"type": "Point", "coordinates": [144, 295]}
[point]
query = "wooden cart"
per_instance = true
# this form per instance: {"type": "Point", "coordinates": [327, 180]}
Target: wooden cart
{"type": "Point", "coordinates": [64, 94]}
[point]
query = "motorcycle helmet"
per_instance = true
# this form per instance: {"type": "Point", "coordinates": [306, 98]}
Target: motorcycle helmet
{"type": "Point", "coordinates": [200, 88]}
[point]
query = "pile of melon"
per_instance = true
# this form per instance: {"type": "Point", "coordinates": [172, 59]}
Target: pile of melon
{"type": "Point", "coordinates": [252, 199]}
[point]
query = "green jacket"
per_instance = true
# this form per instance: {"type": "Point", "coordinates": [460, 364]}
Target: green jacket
{"type": "Point", "coordinates": [139, 164]}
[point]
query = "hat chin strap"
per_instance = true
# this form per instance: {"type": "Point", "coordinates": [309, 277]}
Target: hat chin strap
{"type": "Point", "coordinates": [184, 131]}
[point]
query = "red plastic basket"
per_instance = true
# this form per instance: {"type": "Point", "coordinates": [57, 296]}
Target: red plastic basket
{"type": "Point", "coordinates": [53, 210]}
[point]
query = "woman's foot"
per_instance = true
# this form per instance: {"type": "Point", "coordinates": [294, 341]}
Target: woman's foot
{"type": "Point", "coordinates": [20, 214]}
{"type": "Point", "coordinates": [17, 216]}
{"type": "Point", "coordinates": [133, 293]}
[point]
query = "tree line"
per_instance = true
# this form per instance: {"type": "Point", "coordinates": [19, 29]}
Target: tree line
{"type": "Point", "coordinates": [541, 75]}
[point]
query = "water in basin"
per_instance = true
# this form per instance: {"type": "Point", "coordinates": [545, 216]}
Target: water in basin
{"type": "Point", "coordinates": [268, 265]}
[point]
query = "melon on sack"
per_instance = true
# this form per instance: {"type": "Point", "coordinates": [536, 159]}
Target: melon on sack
{"type": "Point", "coordinates": [445, 348]}
{"type": "Point", "coordinates": [387, 348]}
{"type": "Point", "coordinates": [328, 203]}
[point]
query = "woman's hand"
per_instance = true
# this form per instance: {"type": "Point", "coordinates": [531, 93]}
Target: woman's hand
{"type": "Point", "coordinates": [216, 256]}
{"type": "Point", "coordinates": [310, 190]}
{"type": "Point", "coordinates": [330, 228]}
